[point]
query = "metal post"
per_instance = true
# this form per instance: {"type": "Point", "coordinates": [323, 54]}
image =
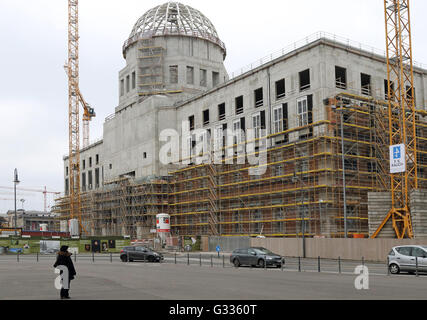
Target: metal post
{"type": "Point", "coordinates": [188, 259]}
{"type": "Point", "coordinates": [17, 257]}
{"type": "Point", "coordinates": [265, 263]}
{"type": "Point", "coordinates": [318, 264]}
{"type": "Point", "coordinates": [175, 257]}
{"type": "Point", "coordinates": [111, 257]}
{"type": "Point", "coordinates": [15, 182]}
{"type": "Point", "coordinates": [75, 257]}
{"type": "Point", "coordinates": [281, 264]}
{"type": "Point", "coordinates": [127, 253]}
{"type": "Point", "coordinates": [299, 264]}
{"type": "Point", "coordinates": [343, 175]}
{"type": "Point", "coordinates": [200, 260]}
{"type": "Point", "coordinates": [37, 257]}
{"type": "Point", "coordinates": [223, 261]}
{"type": "Point", "coordinates": [363, 261]}
{"type": "Point", "coordinates": [339, 265]}
{"type": "Point", "coordinates": [388, 266]}
{"type": "Point", "coordinates": [416, 266]}
{"type": "Point", "coordinates": [211, 261]}
{"type": "Point", "coordinates": [93, 256]}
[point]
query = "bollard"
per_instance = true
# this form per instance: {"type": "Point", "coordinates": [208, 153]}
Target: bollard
{"type": "Point", "coordinates": [299, 264]}
{"type": "Point", "coordinates": [93, 256]}
{"type": "Point", "coordinates": [223, 261]}
{"type": "Point", "coordinates": [388, 266]}
{"type": "Point", "coordinates": [318, 264]}
{"type": "Point", "coordinates": [363, 261]}
{"type": "Point", "coordinates": [211, 261]}
{"type": "Point", "coordinates": [17, 257]}
{"type": "Point", "coordinates": [188, 259]}
{"type": "Point", "coordinates": [339, 265]}
{"type": "Point", "coordinates": [416, 266]}
{"type": "Point", "coordinates": [37, 257]}
{"type": "Point", "coordinates": [265, 263]}
{"type": "Point", "coordinates": [127, 254]}
{"type": "Point", "coordinates": [111, 258]}
{"type": "Point", "coordinates": [75, 257]}
{"type": "Point", "coordinates": [282, 263]}
{"type": "Point", "coordinates": [200, 259]}
{"type": "Point", "coordinates": [175, 257]}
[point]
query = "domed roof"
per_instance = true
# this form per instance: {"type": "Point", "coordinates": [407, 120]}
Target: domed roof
{"type": "Point", "coordinates": [174, 18]}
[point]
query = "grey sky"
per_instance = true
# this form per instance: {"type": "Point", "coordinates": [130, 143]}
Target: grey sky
{"type": "Point", "coordinates": [33, 85]}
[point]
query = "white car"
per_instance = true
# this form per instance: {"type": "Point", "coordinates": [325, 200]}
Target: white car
{"type": "Point", "coordinates": [403, 258]}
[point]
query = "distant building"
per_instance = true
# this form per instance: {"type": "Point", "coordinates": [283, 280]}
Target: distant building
{"type": "Point", "coordinates": [3, 220]}
{"type": "Point", "coordinates": [31, 220]}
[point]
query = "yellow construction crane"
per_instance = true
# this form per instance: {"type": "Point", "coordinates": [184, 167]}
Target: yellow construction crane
{"type": "Point", "coordinates": [74, 99]}
{"type": "Point", "coordinates": [401, 114]}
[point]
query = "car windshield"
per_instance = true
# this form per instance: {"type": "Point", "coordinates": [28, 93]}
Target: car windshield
{"type": "Point", "coordinates": [263, 251]}
{"type": "Point", "coordinates": [425, 248]}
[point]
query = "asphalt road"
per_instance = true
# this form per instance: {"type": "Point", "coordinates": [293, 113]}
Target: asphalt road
{"type": "Point", "coordinates": [102, 279]}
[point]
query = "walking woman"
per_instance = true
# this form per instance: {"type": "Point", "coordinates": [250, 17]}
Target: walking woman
{"type": "Point", "coordinates": [64, 259]}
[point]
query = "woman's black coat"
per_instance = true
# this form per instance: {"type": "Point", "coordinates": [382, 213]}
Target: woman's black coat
{"type": "Point", "coordinates": [64, 259]}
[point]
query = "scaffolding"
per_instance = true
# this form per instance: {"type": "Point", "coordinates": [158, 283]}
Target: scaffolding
{"type": "Point", "coordinates": [316, 183]}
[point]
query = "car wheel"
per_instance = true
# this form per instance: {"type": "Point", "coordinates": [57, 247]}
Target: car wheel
{"type": "Point", "coordinates": [236, 263]}
{"type": "Point", "coordinates": [261, 263]}
{"type": "Point", "coordinates": [394, 269]}
{"type": "Point", "coordinates": [150, 259]}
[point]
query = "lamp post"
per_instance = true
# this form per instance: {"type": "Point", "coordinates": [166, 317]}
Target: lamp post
{"type": "Point", "coordinates": [294, 179]}
{"type": "Point", "coordinates": [15, 181]}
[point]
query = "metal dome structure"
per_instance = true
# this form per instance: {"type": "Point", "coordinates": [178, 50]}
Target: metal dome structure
{"type": "Point", "coordinates": [173, 19]}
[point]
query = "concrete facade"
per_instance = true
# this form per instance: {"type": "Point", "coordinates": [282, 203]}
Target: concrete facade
{"type": "Point", "coordinates": [131, 145]}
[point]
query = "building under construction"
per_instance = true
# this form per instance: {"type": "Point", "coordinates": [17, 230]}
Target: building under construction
{"type": "Point", "coordinates": [319, 114]}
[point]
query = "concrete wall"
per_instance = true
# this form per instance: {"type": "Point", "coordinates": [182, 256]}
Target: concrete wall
{"type": "Point", "coordinates": [93, 152]}
{"type": "Point", "coordinates": [351, 249]}
{"type": "Point", "coordinates": [228, 244]}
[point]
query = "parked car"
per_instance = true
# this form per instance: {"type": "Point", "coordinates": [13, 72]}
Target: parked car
{"type": "Point", "coordinates": [259, 257]}
{"type": "Point", "coordinates": [403, 258]}
{"type": "Point", "coordinates": [141, 253]}
{"type": "Point", "coordinates": [16, 250]}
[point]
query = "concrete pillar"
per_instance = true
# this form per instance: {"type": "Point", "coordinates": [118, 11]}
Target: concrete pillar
{"type": "Point", "coordinates": [379, 205]}
{"type": "Point", "coordinates": [419, 213]}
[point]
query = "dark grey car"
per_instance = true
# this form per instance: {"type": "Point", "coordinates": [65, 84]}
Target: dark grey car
{"type": "Point", "coordinates": [256, 256]}
{"type": "Point", "coordinates": [141, 253]}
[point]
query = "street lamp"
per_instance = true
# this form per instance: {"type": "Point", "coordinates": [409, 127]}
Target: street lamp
{"type": "Point", "coordinates": [16, 182]}
{"type": "Point", "coordinates": [295, 179]}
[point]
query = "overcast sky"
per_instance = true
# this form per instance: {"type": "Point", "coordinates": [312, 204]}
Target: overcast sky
{"type": "Point", "coordinates": [33, 50]}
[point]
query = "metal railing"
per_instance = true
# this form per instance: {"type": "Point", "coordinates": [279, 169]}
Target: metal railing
{"type": "Point", "coordinates": [295, 264]}
{"type": "Point", "coordinates": [359, 47]}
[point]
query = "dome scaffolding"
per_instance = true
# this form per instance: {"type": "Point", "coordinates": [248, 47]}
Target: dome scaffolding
{"type": "Point", "coordinates": [173, 19]}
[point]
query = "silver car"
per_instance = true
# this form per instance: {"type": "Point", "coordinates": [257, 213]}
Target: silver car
{"type": "Point", "coordinates": [403, 258]}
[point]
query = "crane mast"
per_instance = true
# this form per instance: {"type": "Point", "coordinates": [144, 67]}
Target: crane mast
{"type": "Point", "coordinates": [73, 109]}
{"type": "Point", "coordinates": [401, 113]}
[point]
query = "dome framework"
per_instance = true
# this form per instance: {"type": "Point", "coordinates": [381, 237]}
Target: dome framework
{"type": "Point", "coordinates": [173, 19]}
